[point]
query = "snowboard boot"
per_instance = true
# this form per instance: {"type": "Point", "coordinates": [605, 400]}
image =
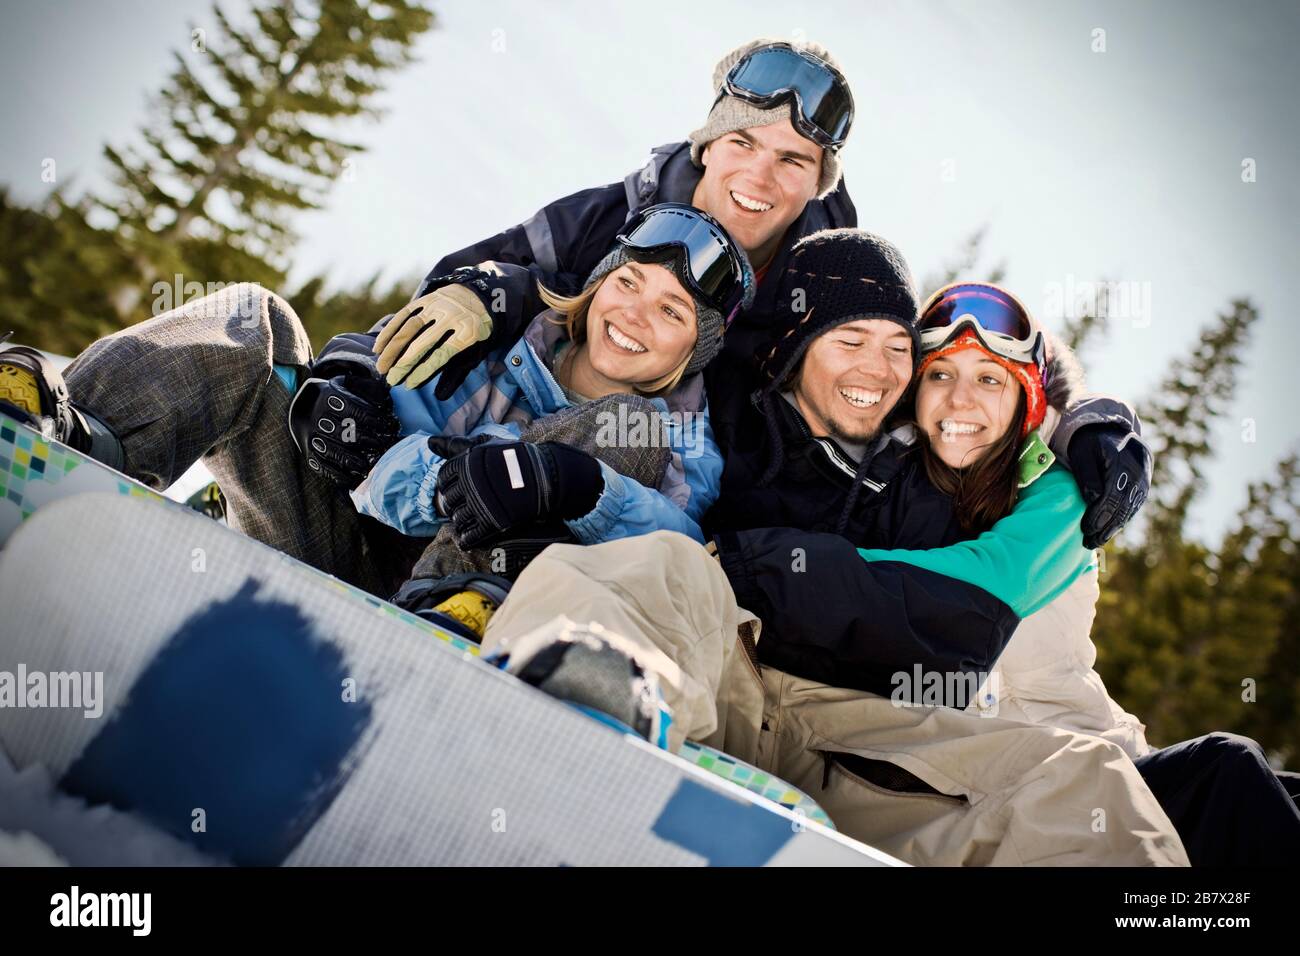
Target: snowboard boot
{"type": "Point", "coordinates": [460, 603]}
{"type": "Point", "coordinates": [209, 501]}
{"type": "Point", "coordinates": [594, 670]}
{"type": "Point", "coordinates": [33, 391]}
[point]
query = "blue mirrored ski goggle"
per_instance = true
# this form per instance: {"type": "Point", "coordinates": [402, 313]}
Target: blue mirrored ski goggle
{"type": "Point", "coordinates": [712, 262]}
{"type": "Point", "coordinates": [1003, 325]}
{"type": "Point", "coordinates": [771, 74]}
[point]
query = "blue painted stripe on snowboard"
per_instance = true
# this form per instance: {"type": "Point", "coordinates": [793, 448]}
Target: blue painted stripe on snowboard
{"type": "Point", "coordinates": [724, 831]}
{"type": "Point", "coordinates": [240, 714]}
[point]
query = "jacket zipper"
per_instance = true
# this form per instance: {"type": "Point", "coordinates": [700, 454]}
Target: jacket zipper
{"type": "Point", "coordinates": [833, 454]}
{"type": "Point", "coordinates": [843, 465]}
{"type": "Point", "coordinates": [746, 635]}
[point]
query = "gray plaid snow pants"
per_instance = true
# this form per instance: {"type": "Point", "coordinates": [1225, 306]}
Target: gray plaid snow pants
{"type": "Point", "coordinates": [197, 382]}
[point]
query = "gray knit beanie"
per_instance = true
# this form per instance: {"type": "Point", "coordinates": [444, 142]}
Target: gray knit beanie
{"type": "Point", "coordinates": [730, 113]}
{"type": "Point", "coordinates": [709, 322]}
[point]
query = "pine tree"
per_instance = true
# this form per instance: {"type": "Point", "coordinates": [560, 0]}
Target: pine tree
{"type": "Point", "coordinates": [1180, 418]}
{"type": "Point", "coordinates": [245, 133]}
{"type": "Point", "coordinates": [1257, 578]}
{"type": "Point", "coordinates": [1173, 613]}
{"type": "Point", "coordinates": [1195, 640]}
{"type": "Point", "coordinates": [242, 143]}
{"type": "Point", "coordinates": [54, 272]}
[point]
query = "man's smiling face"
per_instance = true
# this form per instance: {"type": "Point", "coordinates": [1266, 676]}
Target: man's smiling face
{"type": "Point", "coordinates": [852, 376]}
{"type": "Point", "coordinates": [756, 183]}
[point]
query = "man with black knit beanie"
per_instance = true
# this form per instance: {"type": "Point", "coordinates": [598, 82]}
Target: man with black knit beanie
{"type": "Point", "coordinates": [845, 278]}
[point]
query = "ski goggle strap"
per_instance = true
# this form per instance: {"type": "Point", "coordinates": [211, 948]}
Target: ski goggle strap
{"type": "Point", "coordinates": [824, 104]}
{"type": "Point", "coordinates": [1002, 323]}
{"type": "Point", "coordinates": [713, 265]}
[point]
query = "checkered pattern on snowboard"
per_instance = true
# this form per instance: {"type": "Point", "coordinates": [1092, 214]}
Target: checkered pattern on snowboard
{"type": "Point", "coordinates": [34, 471]}
{"type": "Point", "coordinates": [754, 780]}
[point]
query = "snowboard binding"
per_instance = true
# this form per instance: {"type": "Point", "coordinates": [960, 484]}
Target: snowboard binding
{"type": "Point", "coordinates": [33, 391]}
{"type": "Point", "coordinates": [594, 670]}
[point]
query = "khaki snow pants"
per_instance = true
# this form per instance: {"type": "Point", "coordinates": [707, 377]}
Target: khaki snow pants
{"type": "Point", "coordinates": [956, 788]}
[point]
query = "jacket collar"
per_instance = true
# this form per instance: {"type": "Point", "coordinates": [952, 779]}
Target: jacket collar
{"type": "Point", "coordinates": [885, 448]}
{"type": "Point", "coordinates": [545, 334]}
{"type": "Point", "coordinates": [679, 177]}
{"type": "Point", "coordinates": [1035, 459]}
{"type": "Point", "coordinates": [667, 176]}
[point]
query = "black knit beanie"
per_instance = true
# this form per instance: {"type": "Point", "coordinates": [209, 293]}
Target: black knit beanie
{"type": "Point", "coordinates": [833, 277]}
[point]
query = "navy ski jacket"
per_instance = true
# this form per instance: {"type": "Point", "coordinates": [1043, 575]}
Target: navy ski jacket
{"type": "Point", "coordinates": [564, 241]}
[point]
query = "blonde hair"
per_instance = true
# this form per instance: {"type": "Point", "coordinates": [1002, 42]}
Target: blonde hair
{"type": "Point", "coordinates": [573, 311]}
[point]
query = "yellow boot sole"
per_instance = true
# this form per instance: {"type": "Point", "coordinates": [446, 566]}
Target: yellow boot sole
{"type": "Point", "coordinates": [470, 609]}
{"type": "Point", "coordinates": [18, 387]}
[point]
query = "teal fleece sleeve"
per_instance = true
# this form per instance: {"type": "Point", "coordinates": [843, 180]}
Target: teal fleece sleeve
{"type": "Point", "coordinates": [1025, 560]}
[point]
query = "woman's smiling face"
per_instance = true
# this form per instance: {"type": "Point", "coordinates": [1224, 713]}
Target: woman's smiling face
{"type": "Point", "coordinates": [965, 402]}
{"type": "Point", "coordinates": [641, 324]}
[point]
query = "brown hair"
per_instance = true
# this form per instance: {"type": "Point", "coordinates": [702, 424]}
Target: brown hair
{"type": "Point", "coordinates": [573, 310]}
{"type": "Point", "coordinates": [985, 491]}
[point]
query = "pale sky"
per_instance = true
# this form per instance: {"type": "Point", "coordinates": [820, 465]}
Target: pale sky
{"type": "Point", "coordinates": [1124, 164]}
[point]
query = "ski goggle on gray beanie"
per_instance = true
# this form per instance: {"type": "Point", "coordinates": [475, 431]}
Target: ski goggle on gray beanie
{"type": "Point", "coordinates": [731, 113]}
{"type": "Point", "coordinates": [710, 324]}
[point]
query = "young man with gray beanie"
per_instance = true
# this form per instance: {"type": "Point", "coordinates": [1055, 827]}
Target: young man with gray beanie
{"type": "Point", "coordinates": [760, 174]}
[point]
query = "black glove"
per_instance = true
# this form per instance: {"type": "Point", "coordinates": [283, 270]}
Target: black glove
{"type": "Point", "coordinates": [341, 419]}
{"type": "Point", "coordinates": [459, 366]}
{"type": "Point", "coordinates": [494, 489]}
{"type": "Point", "coordinates": [1112, 466]}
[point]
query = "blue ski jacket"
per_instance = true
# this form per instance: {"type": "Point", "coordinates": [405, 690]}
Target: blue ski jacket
{"type": "Point", "coordinates": [506, 392]}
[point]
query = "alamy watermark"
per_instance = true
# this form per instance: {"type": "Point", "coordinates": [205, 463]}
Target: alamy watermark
{"type": "Point", "coordinates": [174, 294]}
{"type": "Point", "coordinates": [1126, 300]}
{"type": "Point", "coordinates": [75, 908]}
{"type": "Point", "coordinates": [923, 688]}
{"type": "Point", "coordinates": [82, 690]}
{"type": "Point", "coordinates": [637, 429]}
